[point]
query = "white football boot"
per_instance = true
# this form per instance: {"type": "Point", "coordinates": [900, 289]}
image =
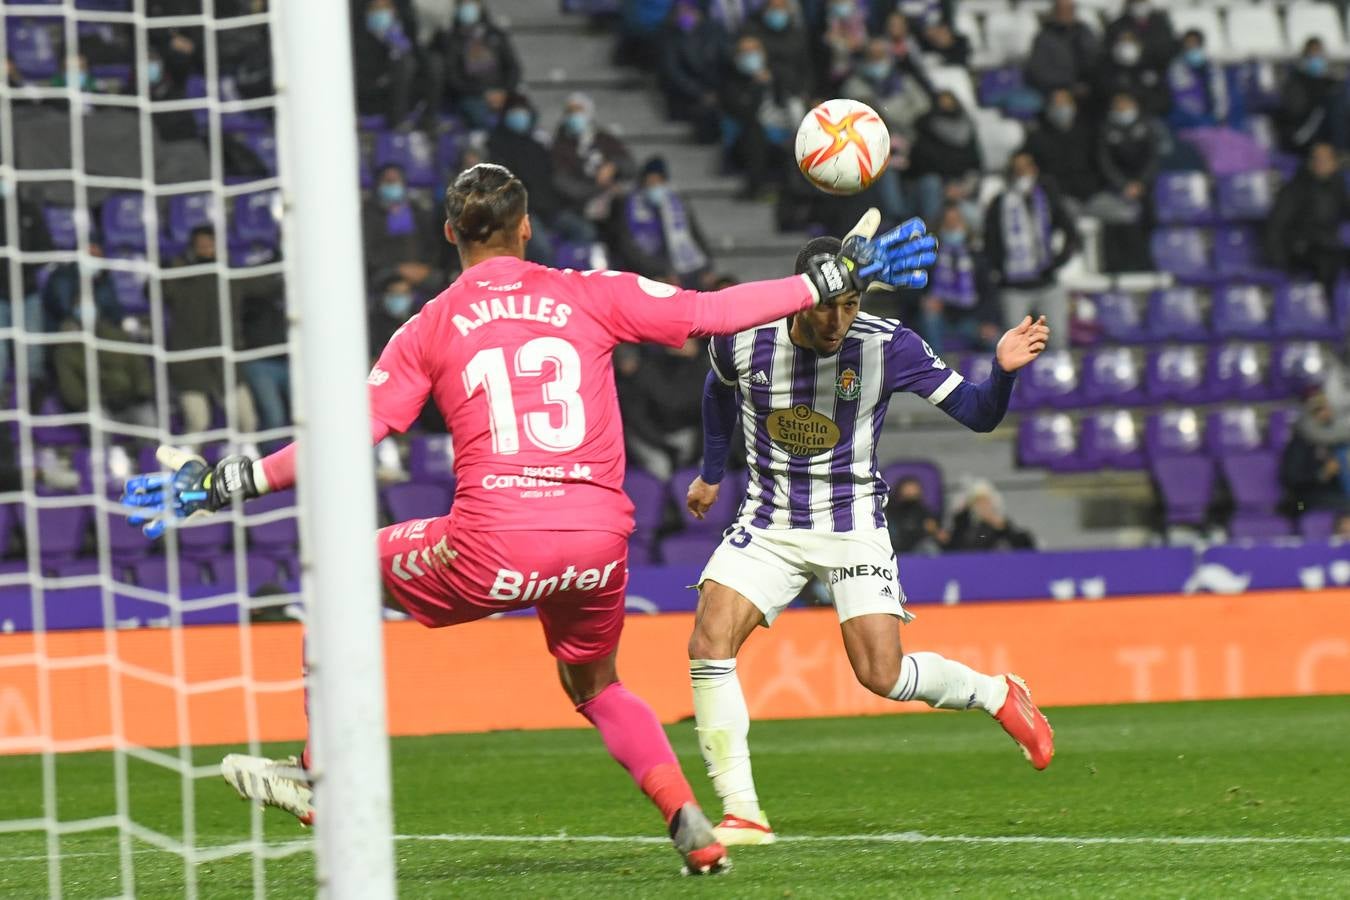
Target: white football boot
{"type": "Point", "coordinates": [739, 831]}
{"type": "Point", "coordinates": [271, 782]}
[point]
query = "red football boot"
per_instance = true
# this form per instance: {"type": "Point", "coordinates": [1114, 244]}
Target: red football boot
{"type": "Point", "coordinates": [1026, 724]}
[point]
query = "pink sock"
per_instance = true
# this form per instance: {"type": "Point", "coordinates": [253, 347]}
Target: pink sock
{"type": "Point", "coordinates": [634, 737]}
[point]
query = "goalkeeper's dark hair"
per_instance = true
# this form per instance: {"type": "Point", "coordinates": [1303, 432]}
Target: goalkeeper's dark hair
{"type": "Point", "coordinates": [484, 200]}
{"type": "Point", "coordinates": [816, 247]}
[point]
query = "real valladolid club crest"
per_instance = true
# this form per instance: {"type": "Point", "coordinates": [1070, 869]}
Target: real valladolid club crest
{"type": "Point", "coordinates": [848, 385]}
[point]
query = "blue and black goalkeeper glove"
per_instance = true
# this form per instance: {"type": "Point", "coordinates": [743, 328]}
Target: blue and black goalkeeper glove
{"type": "Point", "coordinates": [190, 488]}
{"type": "Point", "coordinates": [897, 259]}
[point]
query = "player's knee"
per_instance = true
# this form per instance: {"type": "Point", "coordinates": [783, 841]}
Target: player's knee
{"type": "Point", "coordinates": [704, 644]}
{"type": "Point", "coordinates": [878, 678]}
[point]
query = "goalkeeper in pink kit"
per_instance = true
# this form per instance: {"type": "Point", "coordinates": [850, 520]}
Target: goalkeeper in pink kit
{"type": "Point", "coordinates": [516, 357]}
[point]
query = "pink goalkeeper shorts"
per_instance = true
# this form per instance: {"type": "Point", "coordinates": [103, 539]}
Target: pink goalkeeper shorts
{"type": "Point", "coordinates": [443, 575]}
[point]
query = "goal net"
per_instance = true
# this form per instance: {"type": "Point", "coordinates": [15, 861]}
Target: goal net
{"type": "Point", "coordinates": [149, 275]}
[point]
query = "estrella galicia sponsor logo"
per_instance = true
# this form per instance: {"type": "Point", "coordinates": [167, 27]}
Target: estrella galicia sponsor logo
{"type": "Point", "coordinates": [863, 570]}
{"type": "Point", "coordinates": [848, 386]}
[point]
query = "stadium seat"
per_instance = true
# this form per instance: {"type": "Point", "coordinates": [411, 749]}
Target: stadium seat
{"type": "Point", "coordinates": [1182, 198]}
{"type": "Point", "coordinates": [11, 518]}
{"type": "Point", "coordinates": [277, 538]}
{"type": "Point", "coordinates": [34, 45]}
{"type": "Point", "coordinates": [650, 496]}
{"type": "Point", "coordinates": [1258, 83]}
{"type": "Point", "coordinates": [1176, 314]}
{"type": "Point", "coordinates": [1011, 35]}
{"type": "Point", "coordinates": [1254, 30]}
{"type": "Point", "coordinates": [416, 500]}
{"type": "Point", "coordinates": [689, 547]}
{"type": "Point", "coordinates": [1117, 315]}
{"type": "Point", "coordinates": [1172, 432]}
{"type": "Point", "coordinates": [1110, 439]}
{"type": "Point", "coordinates": [1246, 196]}
{"type": "Point", "coordinates": [1111, 375]}
{"type": "Point", "coordinates": [1237, 253]}
{"type": "Point", "coordinates": [60, 221]}
{"type": "Point", "coordinates": [413, 152]}
{"type": "Point", "coordinates": [124, 221]}
{"type": "Point", "coordinates": [126, 543]}
{"type": "Point", "coordinates": [1297, 366]}
{"type": "Point", "coordinates": [201, 540]}
{"type": "Point", "coordinates": [978, 367]}
{"type": "Point", "coordinates": [1253, 480]}
{"type": "Point", "coordinates": [1237, 372]}
{"type": "Point", "coordinates": [1240, 310]}
{"type": "Point", "coordinates": [1233, 429]}
{"type": "Point", "coordinates": [1185, 485]}
{"type": "Point", "coordinates": [1185, 252]}
{"type": "Point", "coordinates": [431, 457]}
{"type": "Point", "coordinates": [927, 474]}
{"type": "Point", "coordinates": [1048, 440]}
{"type": "Point", "coordinates": [62, 531]}
{"type": "Point", "coordinates": [51, 435]}
{"type": "Point", "coordinates": [1280, 427]}
{"type": "Point", "coordinates": [1301, 310]}
{"type": "Point", "coordinates": [1258, 526]}
{"type": "Point", "coordinates": [729, 497]}
{"type": "Point", "coordinates": [999, 137]}
{"type": "Point", "coordinates": [256, 217]}
{"type": "Point", "coordinates": [1176, 373]}
{"type": "Point", "coordinates": [263, 144]}
{"type": "Point", "coordinates": [1204, 19]}
{"type": "Point", "coordinates": [1304, 19]}
{"type": "Point", "coordinates": [186, 212]}
{"type": "Point", "coordinates": [1317, 524]}
{"type": "Point", "coordinates": [130, 283]}
{"type": "Point", "coordinates": [1049, 381]}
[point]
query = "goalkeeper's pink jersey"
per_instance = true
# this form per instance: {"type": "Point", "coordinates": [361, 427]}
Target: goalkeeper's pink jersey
{"type": "Point", "coordinates": [517, 359]}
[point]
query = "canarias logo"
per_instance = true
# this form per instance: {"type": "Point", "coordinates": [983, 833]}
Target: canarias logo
{"type": "Point", "coordinates": [801, 431]}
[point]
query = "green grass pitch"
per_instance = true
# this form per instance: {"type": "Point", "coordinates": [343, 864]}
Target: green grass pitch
{"type": "Point", "coordinates": [1141, 801]}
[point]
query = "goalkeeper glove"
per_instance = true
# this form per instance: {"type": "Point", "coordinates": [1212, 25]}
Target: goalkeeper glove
{"type": "Point", "coordinates": [896, 259]}
{"type": "Point", "coordinates": [191, 488]}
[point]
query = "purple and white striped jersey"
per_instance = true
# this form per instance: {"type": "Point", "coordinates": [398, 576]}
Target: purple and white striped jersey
{"type": "Point", "coordinates": [811, 423]}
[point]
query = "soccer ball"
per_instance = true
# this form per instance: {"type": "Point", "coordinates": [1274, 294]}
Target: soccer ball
{"type": "Point", "coordinates": [843, 146]}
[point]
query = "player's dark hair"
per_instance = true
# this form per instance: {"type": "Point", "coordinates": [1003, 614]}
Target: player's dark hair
{"type": "Point", "coordinates": [816, 247]}
{"type": "Point", "coordinates": [483, 201]}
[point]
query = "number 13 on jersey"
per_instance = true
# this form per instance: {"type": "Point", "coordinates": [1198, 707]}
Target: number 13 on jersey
{"type": "Point", "coordinates": [488, 370]}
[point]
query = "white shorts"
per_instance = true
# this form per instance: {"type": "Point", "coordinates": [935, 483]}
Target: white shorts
{"type": "Point", "coordinates": [769, 567]}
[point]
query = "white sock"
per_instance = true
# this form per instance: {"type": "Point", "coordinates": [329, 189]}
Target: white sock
{"type": "Point", "coordinates": [723, 726]}
{"type": "Point", "coordinates": [948, 684]}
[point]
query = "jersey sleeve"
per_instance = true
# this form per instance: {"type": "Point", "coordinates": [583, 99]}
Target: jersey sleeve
{"type": "Point", "coordinates": [722, 355]}
{"type": "Point", "coordinates": [401, 380]}
{"type": "Point", "coordinates": [911, 365]}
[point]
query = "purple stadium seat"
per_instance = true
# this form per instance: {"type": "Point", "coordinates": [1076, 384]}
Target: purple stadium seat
{"type": "Point", "coordinates": [264, 146]}
{"type": "Point", "coordinates": [729, 498]}
{"type": "Point", "coordinates": [997, 86]}
{"type": "Point", "coordinates": [1297, 366]}
{"type": "Point", "coordinates": [204, 539]}
{"type": "Point", "coordinates": [649, 495]}
{"type": "Point", "coordinates": [259, 570]}
{"type": "Point", "coordinates": [1182, 198]}
{"type": "Point", "coordinates": [125, 541]}
{"type": "Point", "coordinates": [1237, 253]}
{"type": "Point", "coordinates": [124, 222]}
{"type": "Point", "coordinates": [1233, 429]}
{"type": "Point", "coordinates": [61, 225]}
{"type": "Point", "coordinates": [1110, 439]}
{"type": "Point", "coordinates": [34, 45]}
{"type": "Point", "coordinates": [1185, 252]}
{"type": "Point", "coordinates": [279, 538]}
{"type": "Point", "coordinates": [1176, 373]}
{"type": "Point", "coordinates": [432, 458]}
{"type": "Point", "coordinates": [62, 530]}
{"type": "Point", "coordinates": [153, 574]}
{"type": "Point", "coordinates": [689, 547]}
{"type": "Point", "coordinates": [1172, 432]}
{"type": "Point", "coordinates": [1185, 485]}
{"type": "Point", "coordinates": [186, 212]}
{"type": "Point", "coordinates": [47, 435]}
{"type": "Point", "coordinates": [979, 366]}
{"type": "Point", "coordinates": [572, 255]}
{"type": "Point", "coordinates": [130, 285]}
{"type": "Point", "coordinates": [1253, 480]}
{"type": "Point", "coordinates": [416, 500]}
{"type": "Point", "coordinates": [72, 568]}
{"type": "Point", "coordinates": [1117, 315]}
{"type": "Point", "coordinates": [1237, 372]}
{"type": "Point", "coordinates": [413, 152]}
{"type": "Point", "coordinates": [1317, 524]}
{"type": "Point", "coordinates": [255, 217]}
{"type": "Point", "coordinates": [1175, 314]}
{"type": "Point", "coordinates": [1049, 381]}
{"type": "Point", "coordinates": [1246, 196]}
{"type": "Point", "coordinates": [927, 474]}
{"type": "Point", "coordinates": [1049, 440]}
{"type": "Point", "coordinates": [1280, 427]}
{"type": "Point", "coordinates": [1301, 310]}
{"type": "Point", "coordinates": [1240, 310]}
{"type": "Point", "coordinates": [1342, 304]}
{"type": "Point", "coordinates": [10, 518]}
{"type": "Point", "coordinates": [243, 255]}
{"type": "Point", "coordinates": [1258, 526]}
{"type": "Point", "coordinates": [1111, 375]}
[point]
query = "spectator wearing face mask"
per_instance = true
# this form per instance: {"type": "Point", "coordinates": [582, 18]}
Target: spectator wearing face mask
{"type": "Point", "coordinates": [590, 163]}
{"type": "Point", "coordinates": [845, 36]}
{"type": "Point", "coordinates": [1312, 103]}
{"type": "Point", "coordinates": [400, 235]}
{"type": "Point", "coordinates": [1302, 231]}
{"type": "Point", "coordinates": [785, 45]}
{"type": "Point", "coordinates": [1028, 237]}
{"type": "Point", "coordinates": [385, 62]}
{"type": "Point", "coordinates": [515, 144]}
{"type": "Point", "coordinates": [762, 116]}
{"type": "Point", "coordinates": [1151, 25]}
{"type": "Point", "coordinates": [1064, 148]}
{"type": "Point", "coordinates": [1129, 153]}
{"type": "Point", "coordinates": [1064, 54]}
{"type": "Point", "coordinates": [167, 77]}
{"type": "Point", "coordinates": [481, 65]}
{"type": "Point", "coordinates": [657, 234]}
{"type": "Point", "coordinates": [960, 302]}
{"type": "Point", "coordinates": [913, 526]}
{"type": "Point", "coordinates": [982, 524]}
{"type": "Point", "coordinates": [392, 304]}
{"type": "Point", "coordinates": [898, 91]}
{"type": "Point", "coordinates": [1202, 96]}
{"type": "Point", "coordinates": [1123, 70]}
{"type": "Point", "coordinates": [1314, 474]}
{"type": "Point", "coordinates": [690, 69]}
{"type": "Point", "coordinates": [946, 162]}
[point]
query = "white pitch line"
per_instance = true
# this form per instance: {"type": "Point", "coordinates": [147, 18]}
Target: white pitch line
{"type": "Point", "coordinates": [899, 837]}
